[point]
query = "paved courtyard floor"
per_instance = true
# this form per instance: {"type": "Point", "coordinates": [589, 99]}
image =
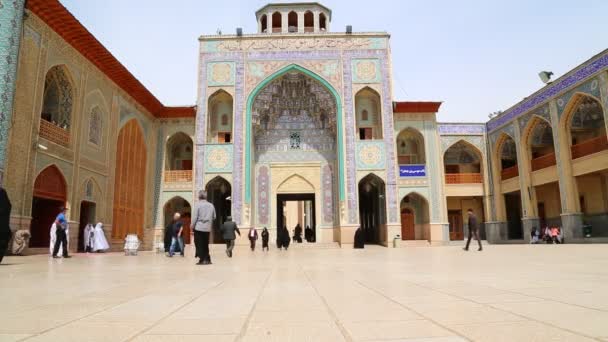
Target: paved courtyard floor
{"type": "Point", "coordinates": [434, 294]}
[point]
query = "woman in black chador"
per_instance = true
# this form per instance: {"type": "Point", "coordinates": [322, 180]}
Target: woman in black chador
{"type": "Point", "coordinates": [265, 237]}
{"type": "Point", "coordinates": [359, 238]}
{"type": "Point", "coordinates": [283, 238]}
{"type": "Point", "coordinates": [5, 230]}
{"type": "Point", "coordinates": [308, 234]}
{"type": "Point", "coordinates": [297, 234]}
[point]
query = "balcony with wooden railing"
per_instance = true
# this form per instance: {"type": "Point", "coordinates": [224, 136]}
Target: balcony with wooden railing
{"type": "Point", "coordinates": [509, 172]}
{"type": "Point", "coordinates": [178, 176]}
{"type": "Point", "coordinates": [590, 146]}
{"type": "Point", "coordinates": [543, 161]}
{"type": "Point", "coordinates": [54, 133]}
{"type": "Point", "coordinates": [463, 178]}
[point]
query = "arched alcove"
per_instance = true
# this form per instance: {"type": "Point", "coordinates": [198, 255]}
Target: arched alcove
{"type": "Point", "coordinates": [410, 147]}
{"type": "Point", "coordinates": [57, 106]}
{"type": "Point", "coordinates": [220, 117]}
{"type": "Point", "coordinates": [462, 163]}
{"type": "Point", "coordinates": [368, 114]}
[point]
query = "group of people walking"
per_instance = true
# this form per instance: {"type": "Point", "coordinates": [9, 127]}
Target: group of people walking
{"type": "Point", "coordinates": [203, 216]}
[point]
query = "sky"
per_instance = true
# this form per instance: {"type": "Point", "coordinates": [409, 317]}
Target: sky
{"type": "Point", "coordinates": [475, 56]}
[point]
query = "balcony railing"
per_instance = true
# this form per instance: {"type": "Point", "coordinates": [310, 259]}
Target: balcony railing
{"type": "Point", "coordinates": [510, 172]}
{"type": "Point", "coordinates": [543, 161]}
{"type": "Point", "coordinates": [589, 147]}
{"type": "Point", "coordinates": [463, 178]}
{"type": "Point", "coordinates": [178, 176]}
{"type": "Point", "coordinates": [54, 133]}
{"type": "Point", "coordinates": [309, 29]}
{"type": "Point", "coordinates": [277, 29]}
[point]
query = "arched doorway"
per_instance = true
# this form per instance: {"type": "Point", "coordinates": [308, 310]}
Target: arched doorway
{"type": "Point", "coordinates": [407, 224]}
{"type": "Point", "coordinates": [50, 194]}
{"type": "Point", "coordinates": [129, 183]}
{"type": "Point", "coordinates": [179, 205]}
{"type": "Point", "coordinates": [372, 208]}
{"type": "Point", "coordinates": [415, 218]}
{"type": "Point", "coordinates": [219, 194]}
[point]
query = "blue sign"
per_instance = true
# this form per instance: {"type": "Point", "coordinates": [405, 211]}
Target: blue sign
{"type": "Point", "coordinates": [412, 171]}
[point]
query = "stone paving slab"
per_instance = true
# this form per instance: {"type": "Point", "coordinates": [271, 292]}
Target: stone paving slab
{"type": "Point", "coordinates": [431, 294]}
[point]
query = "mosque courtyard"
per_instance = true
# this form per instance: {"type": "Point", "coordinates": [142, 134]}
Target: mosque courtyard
{"type": "Point", "coordinates": [505, 293]}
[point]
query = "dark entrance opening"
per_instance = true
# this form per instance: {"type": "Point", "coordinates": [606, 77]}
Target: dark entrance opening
{"type": "Point", "coordinates": [513, 208]}
{"type": "Point", "coordinates": [218, 193]}
{"type": "Point", "coordinates": [44, 212]}
{"type": "Point", "coordinates": [308, 219]}
{"type": "Point", "coordinates": [372, 207]}
{"type": "Point", "coordinates": [87, 216]}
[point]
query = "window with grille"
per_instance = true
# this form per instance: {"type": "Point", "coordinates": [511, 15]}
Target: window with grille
{"type": "Point", "coordinates": [294, 140]}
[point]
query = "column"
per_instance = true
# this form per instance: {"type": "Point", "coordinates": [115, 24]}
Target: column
{"type": "Point", "coordinates": [527, 191]}
{"type": "Point", "coordinates": [300, 21]}
{"type": "Point", "coordinates": [268, 22]}
{"type": "Point", "coordinates": [315, 15]}
{"type": "Point", "coordinates": [11, 23]}
{"type": "Point", "coordinates": [572, 219]}
{"type": "Point", "coordinates": [440, 228]}
{"type": "Point", "coordinates": [496, 228]}
{"type": "Point", "coordinates": [284, 22]}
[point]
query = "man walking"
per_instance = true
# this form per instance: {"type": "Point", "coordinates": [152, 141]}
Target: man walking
{"type": "Point", "coordinates": [61, 238]}
{"type": "Point", "coordinates": [5, 229]}
{"type": "Point", "coordinates": [473, 230]}
{"type": "Point", "coordinates": [228, 233]}
{"type": "Point", "coordinates": [202, 220]}
{"type": "Point", "coordinates": [177, 228]}
{"type": "Point", "coordinates": [253, 237]}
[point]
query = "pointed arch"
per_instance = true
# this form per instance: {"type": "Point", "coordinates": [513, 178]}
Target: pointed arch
{"type": "Point", "coordinates": [463, 163]}
{"type": "Point", "coordinates": [264, 23]}
{"type": "Point", "coordinates": [219, 193]}
{"type": "Point", "coordinates": [295, 184]}
{"type": "Point", "coordinates": [583, 125]}
{"type": "Point", "coordinates": [372, 208]}
{"type": "Point", "coordinates": [277, 23]}
{"type": "Point", "coordinates": [220, 117]}
{"type": "Point", "coordinates": [292, 21]}
{"type": "Point", "coordinates": [91, 191]}
{"type": "Point", "coordinates": [179, 153]}
{"type": "Point", "coordinates": [129, 183]}
{"type": "Point", "coordinates": [538, 145]}
{"type": "Point", "coordinates": [415, 223]}
{"type": "Point", "coordinates": [410, 146]}
{"type": "Point", "coordinates": [57, 105]}
{"type": "Point", "coordinates": [368, 114]}
{"type": "Point", "coordinates": [248, 125]}
{"type": "Point", "coordinates": [51, 184]}
{"type": "Point", "coordinates": [506, 156]}
{"type": "Point", "coordinates": [309, 22]}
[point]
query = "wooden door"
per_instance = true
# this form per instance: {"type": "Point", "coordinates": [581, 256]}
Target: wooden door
{"type": "Point", "coordinates": [186, 220]}
{"type": "Point", "coordinates": [407, 225]}
{"type": "Point", "coordinates": [455, 220]}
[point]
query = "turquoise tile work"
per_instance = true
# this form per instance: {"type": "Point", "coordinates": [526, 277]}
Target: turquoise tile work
{"type": "Point", "coordinates": [11, 21]}
{"type": "Point", "coordinates": [218, 158]}
{"type": "Point", "coordinates": [370, 155]}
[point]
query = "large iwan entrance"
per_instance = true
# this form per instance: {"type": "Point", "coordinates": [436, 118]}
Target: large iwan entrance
{"type": "Point", "coordinates": [293, 209]}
